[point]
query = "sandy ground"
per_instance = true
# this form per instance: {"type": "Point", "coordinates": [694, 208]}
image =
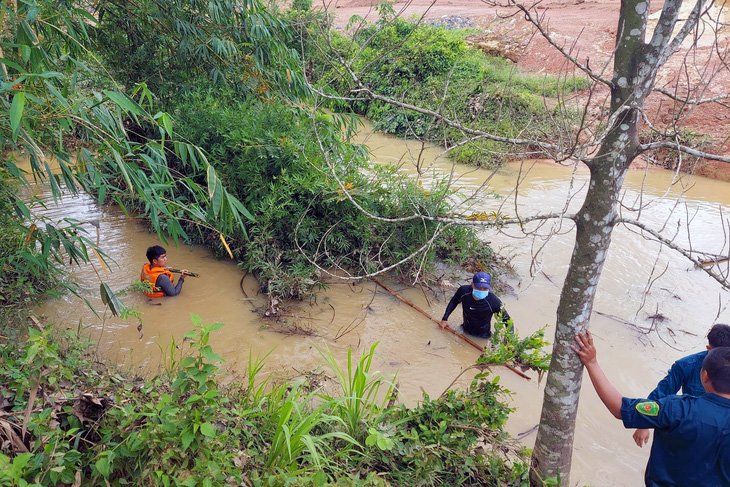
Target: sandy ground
{"type": "Point", "coordinates": [587, 31]}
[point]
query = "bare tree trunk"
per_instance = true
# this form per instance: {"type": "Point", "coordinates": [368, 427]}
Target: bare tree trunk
{"type": "Point", "coordinates": [594, 226]}
{"type": "Point", "coordinates": [636, 64]}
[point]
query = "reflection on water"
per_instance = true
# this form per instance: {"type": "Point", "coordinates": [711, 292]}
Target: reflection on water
{"type": "Point", "coordinates": [425, 358]}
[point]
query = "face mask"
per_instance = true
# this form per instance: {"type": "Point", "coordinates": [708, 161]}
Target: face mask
{"type": "Point", "coordinates": [479, 294]}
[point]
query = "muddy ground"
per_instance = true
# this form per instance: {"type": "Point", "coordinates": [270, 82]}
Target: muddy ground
{"type": "Point", "coordinates": [586, 30]}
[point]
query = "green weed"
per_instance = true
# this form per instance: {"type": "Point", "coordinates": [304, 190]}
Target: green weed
{"type": "Point", "coordinates": [360, 402]}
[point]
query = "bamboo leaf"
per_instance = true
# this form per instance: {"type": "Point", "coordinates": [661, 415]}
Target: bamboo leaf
{"type": "Point", "coordinates": [167, 123]}
{"type": "Point", "coordinates": [124, 101]}
{"type": "Point", "coordinates": [25, 51]}
{"type": "Point", "coordinates": [11, 64]}
{"type": "Point", "coordinates": [82, 12]}
{"type": "Point", "coordinates": [30, 232]}
{"type": "Point", "coordinates": [123, 169]}
{"type": "Point", "coordinates": [16, 113]}
{"type": "Point", "coordinates": [214, 190]}
{"type": "Point", "coordinates": [236, 203]}
{"type": "Point", "coordinates": [54, 91]}
{"type": "Point", "coordinates": [225, 244]}
{"type": "Point", "coordinates": [110, 299]}
{"type": "Point", "coordinates": [101, 261]}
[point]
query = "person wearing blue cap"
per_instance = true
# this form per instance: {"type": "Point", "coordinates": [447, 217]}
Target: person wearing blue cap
{"type": "Point", "coordinates": [478, 304]}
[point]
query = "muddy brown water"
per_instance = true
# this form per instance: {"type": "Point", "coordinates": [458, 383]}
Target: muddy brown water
{"type": "Point", "coordinates": [425, 358]}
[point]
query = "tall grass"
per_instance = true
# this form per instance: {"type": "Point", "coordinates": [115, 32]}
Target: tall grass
{"type": "Point", "coordinates": [295, 420]}
{"type": "Point", "coordinates": [360, 402]}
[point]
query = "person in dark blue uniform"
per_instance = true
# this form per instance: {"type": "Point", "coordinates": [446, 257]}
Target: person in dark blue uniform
{"type": "Point", "coordinates": [685, 374]}
{"type": "Point", "coordinates": [691, 444]}
{"type": "Point", "coordinates": [478, 304]}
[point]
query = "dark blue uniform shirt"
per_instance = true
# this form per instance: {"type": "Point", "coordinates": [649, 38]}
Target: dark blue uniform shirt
{"type": "Point", "coordinates": [684, 374]}
{"type": "Point", "coordinates": [691, 445]}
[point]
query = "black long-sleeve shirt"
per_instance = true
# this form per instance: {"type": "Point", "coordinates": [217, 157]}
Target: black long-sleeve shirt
{"type": "Point", "coordinates": [163, 282]}
{"type": "Point", "coordinates": [477, 312]}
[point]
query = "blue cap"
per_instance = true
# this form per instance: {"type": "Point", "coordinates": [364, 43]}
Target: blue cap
{"type": "Point", "coordinates": [482, 279]}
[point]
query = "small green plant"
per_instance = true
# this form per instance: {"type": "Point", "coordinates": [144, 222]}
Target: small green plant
{"type": "Point", "coordinates": [360, 403]}
{"type": "Point", "coordinates": [506, 347]}
{"type": "Point", "coordinates": [294, 421]}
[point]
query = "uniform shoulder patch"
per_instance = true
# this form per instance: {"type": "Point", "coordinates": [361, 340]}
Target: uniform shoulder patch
{"type": "Point", "coordinates": [648, 408]}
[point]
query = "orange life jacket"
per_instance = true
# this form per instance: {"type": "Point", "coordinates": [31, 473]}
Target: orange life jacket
{"type": "Point", "coordinates": [151, 274]}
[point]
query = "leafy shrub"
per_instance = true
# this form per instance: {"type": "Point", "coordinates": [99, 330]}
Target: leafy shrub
{"type": "Point", "coordinates": [23, 275]}
{"type": "Point", "coordinates": [415, 63]}
{"type": "Point", "coordinates": [88, 425]}
{"type": "Point", "coordinates": [269, 158]}
{"type": "Point", "coordinates": [506, 347]}
{"type": "Point", "coordinates": [438, 442]}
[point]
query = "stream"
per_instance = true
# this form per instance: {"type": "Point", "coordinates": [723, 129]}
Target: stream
{"type": "Point", "coordinates": [640, 280]}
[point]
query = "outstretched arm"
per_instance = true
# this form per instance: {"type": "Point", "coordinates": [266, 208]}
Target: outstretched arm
{"type": "Point", "coordinates": [587, 352]}
{"type": "Point", "coordinates": [455, 299]}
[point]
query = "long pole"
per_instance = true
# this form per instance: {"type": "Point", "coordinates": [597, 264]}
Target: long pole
{"type": "Point", "coordinates": [187, 273]}
{"type": "Point", "coordinates": [450, 330]}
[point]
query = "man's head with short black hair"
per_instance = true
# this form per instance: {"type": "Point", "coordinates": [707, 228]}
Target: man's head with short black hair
{"type": "Point", "coordinates": [155, 252]}
{"type": "Point", "coordinates": [717, 367]}
{"type": "Point", "coordinates": [719, 336]}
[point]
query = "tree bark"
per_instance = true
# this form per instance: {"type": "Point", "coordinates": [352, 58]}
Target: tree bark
{"type": "Point", "coordinates": [636, 64]}
{"type": "Point", "coordinates": [594, 226]}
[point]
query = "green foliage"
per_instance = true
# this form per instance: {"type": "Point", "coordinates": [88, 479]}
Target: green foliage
{"type": "Point", "coordinates": [358, 405]}
{"type": "Point", "coordinates": [268, 157]}
{"type": "Point", "coordinates": [256, 160]}
{"type": "Point", "coordinates": [101, 139]}
{"type": "Point", "coordinates": [506, 347]}
{"type": "Point", "coordinates": [436, 69]}
{"type": "Point", "coordinates": [171, 46]}
{"type": "Point", "coordinates": [187, 430]}
{"type": "Point", "coordinates": [437, 443]}
{"type": "Point", "coordinates": [24, 274]}
{"type": "Point", "coordinates": [293, 419]}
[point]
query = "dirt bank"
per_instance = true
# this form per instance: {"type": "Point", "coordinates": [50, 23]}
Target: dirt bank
{"type": "Point", "coordinates": [587, 30]}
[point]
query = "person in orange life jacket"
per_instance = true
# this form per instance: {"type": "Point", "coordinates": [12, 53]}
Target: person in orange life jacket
{"type": "Point", "coordinates": [158, 276]}
{"type": "Point", "coordinates": [478, 305]}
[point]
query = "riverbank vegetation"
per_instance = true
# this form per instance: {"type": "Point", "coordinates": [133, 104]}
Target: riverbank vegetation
{"type": "Point", "coordinates": [24, 277]}
{"type": "Point", "coordinates": [302, 221]}
{"type": "Point", "coordinates": [196, 118]}
{"type": "Point", "coordinates": [434, 69]}
{"type": "Point", "coordinates": [68, 419]}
